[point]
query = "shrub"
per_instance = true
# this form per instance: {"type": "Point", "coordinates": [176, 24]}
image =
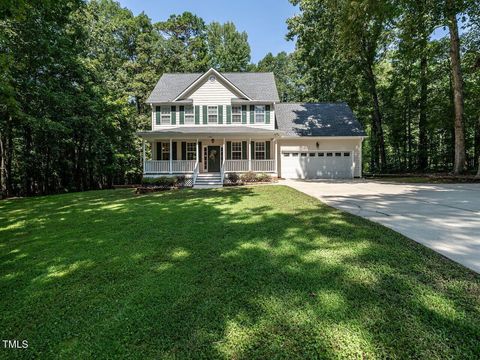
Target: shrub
{"type": "Point", "coordinates": [233, 177]}
{"type": "Point", "coordinates": [263, 177]}
{"type": "Point", "coordinates": [180, 180]}
{"type": "Point", "coordinates": [163, 181]}
{"type": "Point", "coordinates": [249, 177]}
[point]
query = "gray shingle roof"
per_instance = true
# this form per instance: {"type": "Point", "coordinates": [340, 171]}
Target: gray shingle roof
{"type": "Point", "coordinates": [258, 86]}
{"type": "Point", "coordinates": [317, 119]}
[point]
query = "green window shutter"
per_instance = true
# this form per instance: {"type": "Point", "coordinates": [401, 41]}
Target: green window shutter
{"type": "Point", "coordinates": [229, 114]}
{"type": "Point", "coordinates": [252, 149]}
{"type": "Point", "coordinates": [220, 114]}
{"type": "Point", "coordinates": [267, 114]}
{"type": "Point", "coordinates": [197, 115]}
{"type": "Point", "coordinates": [252, 114]}
{"type": "Point", "coordinates": [182, 115]}
{"type": "Point", "coordinates": [174, 115]}
{"type": "Point", "coordinates": [229, 150]}
{"type": "Point", "coordinates": [184, 150]}
{"type": "Point", "coordinates": [174, 150]}
{"type": "Point", "coordinates": [267, 150]}
{"type": "Point", "coordinates": [244, 114]}
{"type": "Point", "coordinates": [157, 115]}
{"type": "Point", "coordinates": [244, 150]}
{"type": "Point", "coordinates": [159, 151]}
{"type": "Point", "coordinates": [200, 155]}
{"type": "Point", "coordinates": [204, 114]}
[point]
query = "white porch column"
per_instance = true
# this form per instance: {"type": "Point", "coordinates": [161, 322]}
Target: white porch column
{"type": "Point", "coordinates": [223, 157]}
{"type": "Point", "coordinates": [276, 151]}
{"type": "Point", "coordinates": [171, 154]}
{"type": "Point", "coordinates": [196, 153]}
{"type": "Point", "coordinates": [249, 154]}
{"type": "Point", "coordinates": [143, 148]}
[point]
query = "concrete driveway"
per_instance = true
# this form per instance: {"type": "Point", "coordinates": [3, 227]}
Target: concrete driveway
{"type": "Point", "coordinates": [444, 217]}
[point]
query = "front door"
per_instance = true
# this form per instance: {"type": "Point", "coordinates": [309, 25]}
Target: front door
{"type": "Point", "coordinates": [213, 159]}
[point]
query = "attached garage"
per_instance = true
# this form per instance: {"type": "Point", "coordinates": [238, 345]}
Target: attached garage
{"type": "Point", "coordinates": [318, 141]}
{"type": "Point", "coordinates": [317, 165]}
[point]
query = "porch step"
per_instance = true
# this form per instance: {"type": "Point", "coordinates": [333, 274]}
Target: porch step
{"type": "Point", "coordinates": [208, 180]}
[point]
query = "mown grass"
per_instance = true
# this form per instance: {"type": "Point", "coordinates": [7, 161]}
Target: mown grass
{"type": "Point", "coordinates": [259, 272]}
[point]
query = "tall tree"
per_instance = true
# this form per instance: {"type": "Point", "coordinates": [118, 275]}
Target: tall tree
{"type": "Point", "coordinates": [360, 33]}
{"type": "Point", "coordinates": [228, 49]}
{"type": "Point", "coordinates": [451, 12]}
{"type": "Point", "coordinates": [186, 43]}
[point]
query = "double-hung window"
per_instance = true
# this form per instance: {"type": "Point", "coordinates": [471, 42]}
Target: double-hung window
{"type": "Point", "coordinates": [236, 114]}
{"type": "Point", "coordinates": [165, 151]}
{"type": "Point", "coordinates": [236, 150]}
{"type": "Point", "coordinates": [259, 150]}
{"type": "Point", "coordinates": [165, 115]}
{"type": "Point", "coordinates": [259, 114]}
{"type": "Point", "coordinates": [189, 115]}
{"type": "Point", "coordinates": [212, 114]}
{"type": "Point", "coordinates": [191, 151]}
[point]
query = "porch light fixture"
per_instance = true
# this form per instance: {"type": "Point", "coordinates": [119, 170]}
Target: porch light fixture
{"type": "Point", "coordinates": [213, 140]}
{"type": "Point", "coordinates": [318, 145]}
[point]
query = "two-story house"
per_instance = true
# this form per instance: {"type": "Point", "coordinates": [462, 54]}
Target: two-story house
{"type": "Point", "coordinates": [211, 124]}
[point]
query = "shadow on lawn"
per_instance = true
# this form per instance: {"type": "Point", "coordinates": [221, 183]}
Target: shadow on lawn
{"type": "Point", "coordinates": [234, 273]}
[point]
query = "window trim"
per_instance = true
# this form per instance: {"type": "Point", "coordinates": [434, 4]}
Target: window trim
{"type": "Point", "coordinates": [264, 151]}
{"type": "Point", "coordinates": [164, 115]}
{"type": "Point", "coordinates": [235, 114]}
{"type": "Point", "coordinates": [262, 113]}
{"type": "Point", "coordinates": [165, 145]}
{"type": "Point", "coordinates": [232, 151]}
{"type": "Point", "coordinates": [194, 151]}
{"type": "Point", "coordinates": [209, 107]}
{"type": "Point", "coordinates": [192, 115]}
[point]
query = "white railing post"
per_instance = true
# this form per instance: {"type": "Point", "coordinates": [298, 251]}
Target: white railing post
{"type": "Point", "coordinates": [249, 154]}
{"type": "Point", "coordinates": [275, 157]}
{"type": "Point", "coordinates": [143, 148]}
{"type": "Point", "coordinates": [171, 156]}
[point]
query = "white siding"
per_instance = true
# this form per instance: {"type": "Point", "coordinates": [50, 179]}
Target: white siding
{"type": "Point", "coordinates": [212, 93]}
{"type": "Point", "coordinates": [216, 93]}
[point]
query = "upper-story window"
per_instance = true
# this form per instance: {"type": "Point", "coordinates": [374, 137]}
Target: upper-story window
{"type": "Point", "coordinates": [165, 114]}
{"type": "Point", "coordinates": [212, 114]}
{"type": "Point", "coordinates": [259, 113]}
{"type": "Point", "coordinates": [189, 115]}
{"type": "Point", "coordinates": [236, 114]}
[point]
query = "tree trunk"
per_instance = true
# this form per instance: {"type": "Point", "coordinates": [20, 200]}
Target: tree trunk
{"type": "Point", "coordinates": [422, 124]}
{"type": "Point", "coordinates": [6, 160]}
{"type": "Point", "coordinates": [459, 164]}
{"type": "Point", "coordinates": [478, 161]}
{"type": "Point", "coordinates": [377, 120]}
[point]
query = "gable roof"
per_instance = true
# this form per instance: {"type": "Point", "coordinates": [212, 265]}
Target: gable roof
{"type": "Point", "coordinates": [317, 119]}
{"type": "Point", "coordinates": [257, 86]}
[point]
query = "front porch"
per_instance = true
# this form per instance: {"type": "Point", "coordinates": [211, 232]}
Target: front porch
{"type": "Point", "coordinates": [192, 157]}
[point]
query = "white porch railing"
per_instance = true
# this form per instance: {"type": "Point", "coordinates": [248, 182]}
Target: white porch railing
{"type": "Point", "coordinates": [263, 165]}
{"type": "Point", "coordinates": [163, 166]}
{"type": "Point", "coordinates": [236, 165]}
{"type": "Point", "coordinates": [257, 165]}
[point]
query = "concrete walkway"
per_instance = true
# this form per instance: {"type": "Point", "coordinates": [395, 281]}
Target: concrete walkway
{"type": "Point", "coordinates": [444, 217]}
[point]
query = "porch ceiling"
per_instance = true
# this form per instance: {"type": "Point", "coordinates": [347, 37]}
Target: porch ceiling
{"type": "Point", "coordinates": [209, 132]}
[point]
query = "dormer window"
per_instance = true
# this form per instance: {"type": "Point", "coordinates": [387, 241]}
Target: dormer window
{"type": "Point", "coordinates": [165, 115]}
{"type": "Point", "coordinates": [259, 114]}
{"type": "Point", "coordinates": [236, 114]}
{"type": "Point", "coordinates": [212, 114]}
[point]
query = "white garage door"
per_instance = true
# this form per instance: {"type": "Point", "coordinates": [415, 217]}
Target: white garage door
{"type": "Point", "coordinates": [317, 165]}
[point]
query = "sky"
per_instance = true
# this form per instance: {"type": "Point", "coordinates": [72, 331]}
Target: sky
{"type": "Point", "coordinates": [263, 20]}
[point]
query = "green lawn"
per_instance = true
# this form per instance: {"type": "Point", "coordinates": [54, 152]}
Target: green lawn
{"type": "Point", "coordinates": [241, 273]}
